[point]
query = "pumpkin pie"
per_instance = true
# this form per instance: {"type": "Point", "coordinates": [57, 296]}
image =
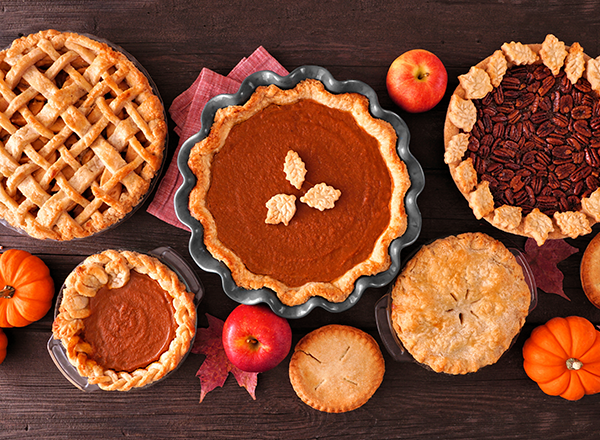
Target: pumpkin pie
{"type": "Point", "coordinates": [82, 135]}
{"type": "Point", "coordinates": [300, 191]}
{"type": "Point", "coordinates": [522, 139]}
{"type": "Point", "coordinates": [125, 320]}
{"type": "Point", "coordinates": [459, 302]}
{"type": "Point", "coordinates": [336, 368]}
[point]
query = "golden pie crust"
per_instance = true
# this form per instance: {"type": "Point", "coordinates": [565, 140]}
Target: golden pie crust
{"type": "Point", "coordinates": [590, 271]}
{"type": "Point", "coordinates": [112, 268]}
{"type": "Point", "coordinates": [82, 135]}
{"type": "Point", "coordinates": [462, 116]}
{"type": "Point", "coordinates": [336, 368]}
{"type": "Point", "coordinates": [459, 303]}
{"type": "Point", "coordinates": [357, 105]}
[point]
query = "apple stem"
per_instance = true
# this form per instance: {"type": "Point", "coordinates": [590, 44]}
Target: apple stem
{"type": "Point", "coordinates": [423, 75]}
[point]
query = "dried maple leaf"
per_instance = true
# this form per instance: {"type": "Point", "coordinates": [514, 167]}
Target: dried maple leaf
{"type": "Point", "coordinates": [543, 261]}
{"type": "Point", "coordinates": [216, 367]}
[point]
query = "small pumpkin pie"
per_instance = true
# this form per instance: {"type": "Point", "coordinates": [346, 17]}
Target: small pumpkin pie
{"type": "Point", "coordinates": [125, 320]}
{"type": "Point", "coordinates": [299, 190]}
{"type": "Point", "coordinates": [459, 302]}
{"type": "Point", "coordinates": [522, 138]}
{"type": "Point", "coordinates": [336, 368]}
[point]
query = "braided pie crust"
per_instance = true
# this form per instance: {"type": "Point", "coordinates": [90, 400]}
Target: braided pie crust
{"type": "Point", "coordinates": [81, 135]}
{"type": "Point", "coordinates": [112, 268]}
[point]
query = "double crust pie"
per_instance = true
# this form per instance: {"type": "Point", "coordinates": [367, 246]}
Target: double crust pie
{"type": "Point", "coordinates": [459, 303]}
{"type": "Point", "coordinates": [81, 135]}
{"type": "Point", "coordinates": [336, 368]}
{"type": "Point", "coordinates": [125, 320]}
{"type": "Point", "coordinates": [522, 139]}
{"type": "Point", "coordinates": [300, 191]}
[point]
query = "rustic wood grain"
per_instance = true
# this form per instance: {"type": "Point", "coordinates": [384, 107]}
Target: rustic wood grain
{"type": "Point", "coordinates": [354, 39]}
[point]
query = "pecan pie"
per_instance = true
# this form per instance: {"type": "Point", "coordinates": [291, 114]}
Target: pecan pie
{"type": "Point", "coordinates": [300, 191]}
{"type": "Point", "coordinates": [81, 137]}
{"type": "Point", "coordinates": [125, 319]}
{"type": "Point", "coordinates": [522, 139]}
{"type": "Point", "coordinates": [459, 303]}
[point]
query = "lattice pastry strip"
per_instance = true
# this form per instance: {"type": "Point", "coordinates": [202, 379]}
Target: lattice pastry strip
{"type": "Point", "coordinates": [66, 100]}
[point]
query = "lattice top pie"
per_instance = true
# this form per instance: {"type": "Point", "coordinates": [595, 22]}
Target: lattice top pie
{"type": "Point", "coordinates": [81, 135]}
{"type": "Point", "coordinates": [522, 139]}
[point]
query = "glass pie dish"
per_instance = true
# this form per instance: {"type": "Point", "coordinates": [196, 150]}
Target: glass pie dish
{"type": "Point", "coordinates": [207, 262]}
{"type": "Point", "coordinates": [385, 327]}
{"type": "Point", "coordinates": [173, 261]}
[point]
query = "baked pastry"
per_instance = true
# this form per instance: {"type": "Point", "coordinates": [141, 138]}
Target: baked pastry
{"type": "Point", "coordinates": [459, 303]}
{"type": "Point", "coordinates": [522, 137]}
{"type": "Point", "coordinates": [125, 319]}
{"type": "Point", "coordinates": [336, 368]}
{"type": "Point", "coordinates": [590, 271]}
{"type": "Point", "coordinates": [300, 191]}
{"type": "Point", "coordinates": [82, 135]}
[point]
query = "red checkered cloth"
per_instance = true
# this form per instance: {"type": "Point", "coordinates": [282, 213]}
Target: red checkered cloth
{"type": "Point", "coordinates": [185, 112]}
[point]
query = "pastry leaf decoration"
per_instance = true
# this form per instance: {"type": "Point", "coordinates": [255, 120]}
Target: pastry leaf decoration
{"type": "Point", "coordinates": [216, 367]}
{"type": "Point", "coordinates": [294, 169]}
{"type": "Point", "coordinates": [544, 260]}
{"type": "Point", "coordinates": [321, 196]}
{"type": "Point", "coordinates": [282, 207]}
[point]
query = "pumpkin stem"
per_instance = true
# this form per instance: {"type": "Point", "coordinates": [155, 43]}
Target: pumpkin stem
{"type": "Point", "coordinates": [7, 292]}
{"type": "Point", "coordinates": [574, 364]}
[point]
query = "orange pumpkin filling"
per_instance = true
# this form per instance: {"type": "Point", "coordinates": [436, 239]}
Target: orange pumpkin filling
{"type": "Point", "coordinates": [131, 326]}
{"type": "Point", "coordinates": [316, 245]}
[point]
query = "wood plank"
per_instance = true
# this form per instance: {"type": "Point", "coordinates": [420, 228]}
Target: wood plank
{"type": "Point", "coordinates": [353, 39]}
{"type": "Point", "coordinates": [412, 402]}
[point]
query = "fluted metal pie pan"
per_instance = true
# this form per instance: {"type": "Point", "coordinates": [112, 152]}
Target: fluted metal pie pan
{"type": "Point", "coordinates": [208, 263]}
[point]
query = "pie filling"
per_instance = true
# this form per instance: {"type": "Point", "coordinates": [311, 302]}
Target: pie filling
{"type": "Point", "coordinates": [316, 246]}
{"type": "Point", "coordinates": [131, 326]}
{"type": "Point", "coordinates": [536, 140]}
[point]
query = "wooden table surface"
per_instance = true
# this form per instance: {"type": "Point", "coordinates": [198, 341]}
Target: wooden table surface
{"type": "Point", "coordinates": [353, 39]}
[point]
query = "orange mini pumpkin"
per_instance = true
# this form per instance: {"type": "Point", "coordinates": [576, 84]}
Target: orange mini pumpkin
{"type": "Point", "coordinates": [3, 345]}
{"type": "Point", "coordinates": [26, 288]}
{"type": "Point", "coordinates": [563, 357]}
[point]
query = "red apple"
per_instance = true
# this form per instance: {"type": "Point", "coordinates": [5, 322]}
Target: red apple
{"type": "Point", "coordinates": [416, 81]}
{"type": "Point", "coordinates": [256, 339]}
